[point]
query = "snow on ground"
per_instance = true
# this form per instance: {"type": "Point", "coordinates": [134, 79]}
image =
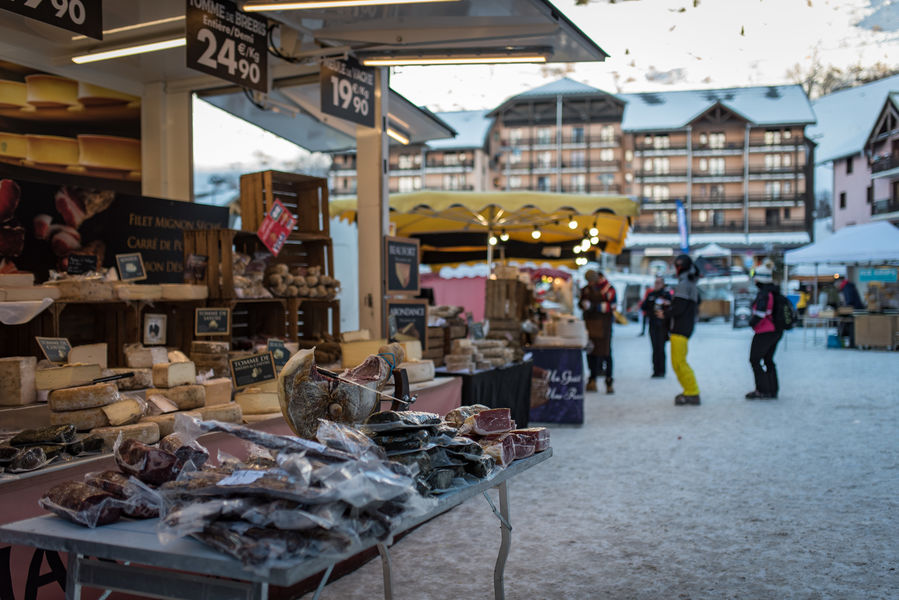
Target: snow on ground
{"type": "Point", "coordinates": [793, 498]}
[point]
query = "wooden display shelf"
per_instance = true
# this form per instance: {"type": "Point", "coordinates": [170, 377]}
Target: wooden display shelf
{"type": "Point", "coordinates": [312, 318]}
{"type": "Point", "coordinates": [305, 197]}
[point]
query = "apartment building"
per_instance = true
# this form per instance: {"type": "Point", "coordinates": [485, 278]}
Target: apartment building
{"type": "Point", "coordinates": [883, 149]}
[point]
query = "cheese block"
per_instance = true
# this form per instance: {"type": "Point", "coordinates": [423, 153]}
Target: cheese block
{"type": "Point", "coordinates": [362, 335]}
{"type": "Point", "coordinates": [210, 347]}
{"type": "Point", "coordinates": [253, 401]}
{"type": "Point", "coordinates": [173, 374]}
{"type": "Point", "coordinates": [250, 419]}
{"type": "Point", "coordinates": [176, 356]}
{"type": "Point", "coordinates": [123, 412]}
{"type": "Point", "coordinates": [142, 378]}
{"type": "Point", "coordinates": [142, 357]}
{"type": "Point", "coordinates": [88, 354]}
{"type": "Point", "coordinates": [218, 391]}
{"type": "Point", "coordinates": [50, 91]}
{"type": "Point", "coordinates": [12, 145]}
{"type": "Point", "coordinates": [229, 413]}
{"type": "Point", "coordinates": [270, 386]}
{"type": "Point", "coordinates": [29, 294]}
{"type": "Point", "coordinates": [86, 396]}
{"type": "Point", "coordinates": [185, 397]}
{"type": "Point", "coordinates": [83, 289]}
{"type": "Point", "coordinates": [83, 420]}
{"type": "Point", "coordinates": [413, 350]}
{"type": "Point", "coordinates": [160, 405]}
{"type": "Point", "coordinates": [17, 380]}
{"type": "Point", "coordinates": [184, 291]}
{"type": "Point", "coordinates": [65, 376]}
{"type": "Point", "coordinates": [166, 422]}
{"type": "Point", "coordinates": [16, 280]}
{"type": "Point", "coordinates": [353, 354]}
{"type": "Point", "coordinates": [418, 371]}
{"type": "Point", "coordinates": [132, 291]}
{"type": "Point", "coordinates": [147, 433]}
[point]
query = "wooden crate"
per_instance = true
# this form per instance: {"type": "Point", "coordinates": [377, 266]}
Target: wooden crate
{"type": "Point", "coordinates": [253, 317]}
{"type": "Point", "coordinates": [218, 246]}
{"type": "Point", "coordinates": [308, 253]}
{"type": "Point", "coordinates": [507, 299]}
{"type": "Point", "coordinates": [312, 319]}
{"type": "Point", "coordinates": [305, 197]}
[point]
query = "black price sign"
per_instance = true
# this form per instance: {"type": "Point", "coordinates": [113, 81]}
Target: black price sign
{"type": "Point", "coordinates": [131, 267]}
{"type": "Point", "coordinates": [401, 257]}
{"type": "Point", "coordinates": [348, 90]}
{"type": "Point", "coordinates": [279, 351]}
{"type": "Point", "coordinates": [227, 43]}
{"type": "Point", "coordinates": [79, 264]}
{"type": "Point", "coordinates": [81, 16]}
{"type": "Point", "coordinates": [55, 349]}
{"type": "Point", "coordinates": [411, 320]}
{"type": "Point", "coordinates": [212, 321]}
{"type": "Point", "coordinates": [253, 369]}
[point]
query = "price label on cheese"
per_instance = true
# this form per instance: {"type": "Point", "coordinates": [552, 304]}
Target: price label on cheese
{"type": "Point", "coordinates": [253, 369]}
{"type": "Point", "coordinates": [81, 16]}
{"type": "Point", "coordinates": [212, 321]}
{"type": "Point", "coordinates": [55, 349]}
{"type": "Point", "coordinates": [227, 43]}
{"type": "Point", "coordinates": [348, 90]}
{"type": "Point", "coordinates": [279, 352]}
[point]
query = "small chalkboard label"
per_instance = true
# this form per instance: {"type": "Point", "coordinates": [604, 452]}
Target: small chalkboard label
{"type": "Point", "coordinates": [131, 267]}
{"type": "Point", "coordinates": [79, 264]}
{"type": "Point", "coordinates": [55, 349]}
{"type": "Point", "coordinates": [279, 351]}
{"type": "Point", "coordinates": [212, 321]}
{"type": "Point", "coordinates": [253, 369]}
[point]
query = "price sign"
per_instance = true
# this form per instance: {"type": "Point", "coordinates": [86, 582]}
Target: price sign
{"type": "Point", "coordinates": [253, 369]}
{"type": "Point", "coordinates": [279, 351]}
{"type": "Point", "coordinates": [81, 16]}
{"type": "Point", "coordinates": [55, 349]}
{"type": "Point", "coordinates": [79, 264]}
{"type": "Point", "coordinates": [212, 321]}
{"type": "Point", "coordinates": [348, 90]}
{"type": "Point", "coordinates": [227, 43]}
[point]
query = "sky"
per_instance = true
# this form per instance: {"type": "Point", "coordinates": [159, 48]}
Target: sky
{"type": "Point", "coordinates": [653, 45]}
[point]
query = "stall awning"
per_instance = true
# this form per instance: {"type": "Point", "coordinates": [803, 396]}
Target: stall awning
{"type": "Point", "coordinates": [872, 243]}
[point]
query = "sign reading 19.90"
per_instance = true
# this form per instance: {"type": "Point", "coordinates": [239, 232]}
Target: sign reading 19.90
{"type": "Point", "coordinates": [348, 90]}
{"type": "Point", "coordinates": [81, 16]}
{"type": "Point", "coordinates": [227, 43]}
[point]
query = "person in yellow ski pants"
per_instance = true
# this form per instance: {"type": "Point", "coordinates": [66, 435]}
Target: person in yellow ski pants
{"type": "Point", "coordinates": [682, 369]}
{"type": "Point", "coordinates": [681, 316]}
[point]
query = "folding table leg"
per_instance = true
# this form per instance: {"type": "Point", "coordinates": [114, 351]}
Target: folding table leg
{"type": "Point", "coordinates": [323, 583]}
{"type": "Point", "coordinates": [385, 565]}
{"type": "Point", "coordinates": [506, 531]}
{"type": "Point", "coordinates": [73, 585]}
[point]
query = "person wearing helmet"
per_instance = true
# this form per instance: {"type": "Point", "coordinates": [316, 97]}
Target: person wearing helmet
{"type": "Point", "coordinates": [681, 316]}
{"type": "Point", "coordinates": [766, 337]}
{"type": "Point", "coordinates": [598, 303]}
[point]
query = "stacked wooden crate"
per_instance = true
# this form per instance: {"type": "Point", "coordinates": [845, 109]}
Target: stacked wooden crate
{"type": "Point", "coordinates": [436, 345]}
{"type": "Point", "coordinates": [508, 301]}
{"type": "Point", "coordinates": [508, 330]}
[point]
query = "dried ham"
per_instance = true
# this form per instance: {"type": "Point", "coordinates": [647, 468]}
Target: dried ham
{"type": "Point", "coordinates": [502, 450]}
{"type": "Point", "coordinates": [488, 422]}
{"type": "Point", "coordinates": [457, 416]}
{"type": "Point", "coordinates": [538, 436]}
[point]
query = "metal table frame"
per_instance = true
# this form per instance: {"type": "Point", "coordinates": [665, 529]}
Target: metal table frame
{"type": "Point", "coordinates": [93, 553]}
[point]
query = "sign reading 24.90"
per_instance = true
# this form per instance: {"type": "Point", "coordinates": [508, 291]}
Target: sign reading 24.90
{"type": "Point", "coordinates": [348, 90]}
{"type": "Point", "coordinates": [81, 16]}
{"type": "Point", "coordinates": [227, 43]}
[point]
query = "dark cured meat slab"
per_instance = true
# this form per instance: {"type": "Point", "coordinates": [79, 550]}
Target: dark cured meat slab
{"type": "Point", "coordinates": [491, 422]}
{"type": "Point", "coordinates": [538, 436]}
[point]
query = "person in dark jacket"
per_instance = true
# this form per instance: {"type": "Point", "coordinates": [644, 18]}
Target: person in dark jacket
{"type": "Point", "coordinates": [849, 295]}
{"type": "Point", "coordinates": [681, 316]}
{"type": "Point", "coordinates": [766, 337]}
{"type": "Point", "coordinates": [657, 299]}
{"type": "Point", "coordinates": [598, 303]}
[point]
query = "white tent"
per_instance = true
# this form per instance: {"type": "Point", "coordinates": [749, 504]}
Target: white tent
{"type": "Point", "coordinates": [713, 250]}
{"type": "Point", "coordinates": [872, 243]}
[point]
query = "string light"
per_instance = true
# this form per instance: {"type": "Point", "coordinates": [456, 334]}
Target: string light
{"type": "Point", "coordinates": [594, 231]}
{"type": "Point", "coordinates": [572, 224]}
{"type": "Point", "coordinates": [504, 236]}
{"type": "Point", "coordinates": [577, 249]}
{"type": "Point", "coordinates": [536, 233]}
{"type": "Point", "coordinates": [492, 240]}
{"type": "Point", "coordinates": [594, 240]}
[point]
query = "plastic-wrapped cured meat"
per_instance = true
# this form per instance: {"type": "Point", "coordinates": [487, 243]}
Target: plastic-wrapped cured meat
{"type": "Point", "coordinates": [185, 449]}
{"type": "Point", "coordinates": [389, 420]}
{"type": "Point", "coordinates": [538, 436]}
{"type": "Point", "coordinates": [109, 481]}
{"type": "Point", "coordinates": [481, 467]}
{"type": "Point", "coordinates": [411, 440]}
{"type": "Point", "coordinates": [488, 422]}
{"type": "Point", "coordinates": [149, 464]}
{"type": "Point", "coordinates": [501, 449]}
{"type": "Point", "coordinates": [457, 416]}
{"type": "Point", "coordinates": [55, 434]}
{"type": "Point", "coordinates": [82, 504]}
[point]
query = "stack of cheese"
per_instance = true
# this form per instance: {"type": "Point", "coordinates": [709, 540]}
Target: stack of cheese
{"type": "Point", "coordinates": [408, 356]}
{"type": "Point", "coordinates": [97, 408]}
{"type": "Point", "coordinates": [259, 403]}
{"type": "Point", "coordinates": [19, 287]}
{"type": "Point", "coordinates": [211, 356]}
{"type": "Point", "coordinates": [462, 357]}
{"type": "Point", "coordinates": [494, 353]}
{"type": "Point", "coordinates": [17, 380]}
{"type": "Point", "coordinates": [140, 360]}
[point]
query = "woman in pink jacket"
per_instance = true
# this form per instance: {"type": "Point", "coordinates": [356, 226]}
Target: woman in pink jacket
{"type": "Point", "coordinates": [766, 337]}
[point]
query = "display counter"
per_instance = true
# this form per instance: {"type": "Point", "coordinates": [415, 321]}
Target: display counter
{"type": "Point", "coordinates": [564, 367]}
{"type": "Point", "coordinates": [502, 387]}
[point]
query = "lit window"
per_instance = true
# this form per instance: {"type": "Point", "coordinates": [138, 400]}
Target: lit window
{"type": "Point", "coordinates": [660, 142]}
{"type": "Point", "coordinates": [772, 161]}
{"type": "Point", "coordinates": [716, 139]}
{"type": "Point", "coordinates": [450, 160]}
{"type": "Point", "coordinates": [772, 137]}
{"type": "Point", "coordinates": [703, 164]}
{"type": "Point", "coordinates": [544, 135]}
{"type": "Point", "coordinates": [787, 160]}
{"type": "Point", "coordinates": [409, 184]}
{"type": "Point", "coordinates": [606, 155]}
{"type": "Point", "coordinates": [607, 133]}
{"type": "Point", "coordinates": [577, 159]}
{"type": "Point", "coordinates": [661, 166]}
{"type": "Point", "coordinates": [578, 183]}
{"type": "Point", "coordinates": [716, 166]}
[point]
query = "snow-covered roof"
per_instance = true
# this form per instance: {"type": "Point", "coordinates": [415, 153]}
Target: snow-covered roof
{"type": "Point", "coordinates": [845, 118]}
{"type": "Point", "coordinates": [762, 106]}
{"type": "Point", "coordinates": [471, 129]}
{"type": "Point", "coordinates": [565, 86]}
{"type": "Point", "coordinates": [781, 238]}
{"type": "Point", "coordinates": [869, 243]}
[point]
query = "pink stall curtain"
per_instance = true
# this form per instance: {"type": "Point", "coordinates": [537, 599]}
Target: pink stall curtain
{"type": "Point", "coordinates": [469, 292]}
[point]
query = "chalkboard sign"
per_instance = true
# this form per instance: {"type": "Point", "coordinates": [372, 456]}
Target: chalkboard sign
{"type": "Point", "coordinates": [279, 352]}
{"type": "Point", "coordinates": [411, 320]}
{"type": "Point", "coordinates": [212, 321]}
{"type": "Point", "coordinates": [348, 90]}
{"type": "Point", "coordinates": [131, 267]}
{"type": "Point", "coordinates": [401, 256]}
{"type": "Point", "coordinates": [81, 16]}
{"type": "Point", "coordinates": [253, 369]}
{"type": "Point", "coordinates": [79, 264]}
{"type": "Point", "coordinates": [55, 349]}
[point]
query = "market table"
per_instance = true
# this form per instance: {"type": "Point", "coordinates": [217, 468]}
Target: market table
{"type": "Point", "coordinates": [508, 386]}
{"type": "Point", "coordinates": [438, 396]}
{"type": "Point", "coordinates": [564, 367]}
{"type": "Point", "coordinates": [93, 552]}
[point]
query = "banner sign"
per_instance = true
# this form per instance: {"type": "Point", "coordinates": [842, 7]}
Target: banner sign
{"type": "Point", "coordinates": [682, 228]}
{"type": "Point", "coordinates": [81, 16]}
{"type": "Point", "coordinates": [227, 43]}
{"type": "Point", "coordinates": [348, 90]}
{"type": "Point", "coordinates": [884, 275]}
{"type": "Point", "coordinates": [564, 401]}
{"type": "Point", "coordinates": [401, 256]}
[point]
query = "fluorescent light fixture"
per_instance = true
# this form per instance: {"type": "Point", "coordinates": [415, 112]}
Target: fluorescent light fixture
{"type": "Point", "coordinates": [115, 30]}
{"type": "Point", "coordinates": [258, 6]}
{"type": "Point", "coordinates": [129, 51]}
{"type": "Point", "coordinates": [453, 60]}
{"type": "Point", "coordinates": [397, 136]}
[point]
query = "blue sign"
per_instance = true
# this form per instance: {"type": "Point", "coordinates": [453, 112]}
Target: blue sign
{"type": "Point", "coordinates": [564, 401]}
{"type": "Point", "coordinates": [886, 275]}
{"type": "Point", "coordinates": [682, 228]}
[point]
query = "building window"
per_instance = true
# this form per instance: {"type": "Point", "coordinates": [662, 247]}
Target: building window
{"type": "Point", "coordinates": [545, 135]}
{"type": "Point", "coordinates": [772, 190]}
{"type": "Point", "coordinates": [716, 166]}
{"type": "Point", "coordinates": [515, 156]}
{"type": "Point", "coordinates": [787, 160]}
{"type": "Point", "coordinates": [772, 216]}
{"type": "Point", "coordinates": [577, 159]}
{"type": "Point", "coordinates": [607, 180]}
{"type": "Point", "coordinates": [629, 155]}
{"type": "Point", "coordinates": [787, 187]}
{"type": "Point", "coordinates": [703, 139]}
{"type": "Point", "coordinates": [607, 155]}
{"type": "Point", "coordinates": [578, 183]}
{"type": "Point", "coordinates": [716, 191]}
{"type": "Point", "coordinates": [515, 182]}
{"type": "Point", "coordinates": [661, 218]}
{"type": "Point", "coordinates": [647, 164]}
{"type": "Point", "coordinates": [515, 136]}
{"type": "Point", "coordinates": [577, 135]}
{"type": "Point", "coordinates": [661, 142]}
{"type": "Point", "coordinates": [772, 161]}
{"type": "Point", "coordinates": [450, 160]}
{"type": "Point", "coordinates": [787, 134]}
{"type": "Point", "coordinates": [453, 182]}
{"type": "Point", "coordinates": [703, 164]}
{"type": "Point", "coordinates": [842, 199]}
{"type": "Point", "coordinates": [772, 137]}
{"type": "Point", "coordinates": [703, 216]}
{"type": "Point", "coordinates": [662, 166]}
{"type": "Point", "coordinates": [545, 160]}
{"type": "Point", "coordinates": [786, 214]}
{"type": "Point", "coordinates": [716, 139]}
{"type": "Point", "coordinates": [543, 184]}
{"type": "Point", "coordinates": [607, 134]}
{"type": "Point", "coordinates": [659, 193]}
{"type": "Point", "coordinates": [870, 194]}
{"type": "Point", "coordinates": [405, 161]}
{"type": "Point", "coordinates": [849, 165]}
{"type": "Point", "coordinates": [409, 184]}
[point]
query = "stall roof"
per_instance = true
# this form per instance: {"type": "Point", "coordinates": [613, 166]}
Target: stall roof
{"type": "Point", "coordinates": [471, 129]}
{"type": "Point", "coordinates": [871, 243]}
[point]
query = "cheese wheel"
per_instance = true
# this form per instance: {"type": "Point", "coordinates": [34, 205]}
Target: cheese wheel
{"type": "Point", "coordinates": [143, 378]}
{"type": "Point", "coordinates": [229, 413]}
{"type": "Point", "coordinates": [185, 397]}
{"type": "Point", "coordinates": [173, 374]}
{"type": "Point", "coordinates": [176, 356]}
{"type": "Point", "coordinates": [13, 94]}
{"type": "Point", "coordinates": [86, 396]}
{"type": "Point", "coordinates": [60, 377]}
{"type": "Point", "coordinates": [218, 391]}
{"type": "Point", "coordinates": [140, 357]}
{"type": "Point", "coordinates": [147, 433]}
{"type": "Point", "coordinates": [249, 419]}
{"type": "Point", "coordinates": [17, 380]}
{"type": "Point", "coordinates": [52, 150]}
{"type": "Point", "coordinates": [83, 420]}
{"type": "Point", "coordinates": [210, 347]}
{"type": "Point", "coordinates": [88, 354]}
{"type": "Point", "coordinates": [50, 91]}
{"type": "Point", "coordinates": [123, 412]}
{"type": "Point", "coordinates": [109, 152]}
{"type": "Point", "coordinates": [256, 402]}
{"type": "Point", "coordinates": [91, 95]}
{"type": "Point", "coordinates": [166, 422]}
